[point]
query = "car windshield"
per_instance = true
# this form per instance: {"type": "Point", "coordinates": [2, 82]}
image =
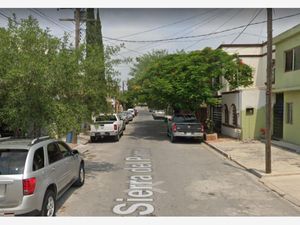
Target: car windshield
{"type": "Point", "coordinates": [106, 118]}
{"type": "Point", "coordinates": [12, 161]}
{"type": "Point", "coordinates": [185, 118]}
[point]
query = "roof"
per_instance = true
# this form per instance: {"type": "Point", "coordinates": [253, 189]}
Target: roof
{"type": "Point", "coordinates": [287, 34]}
{"type": "Point", "coordinates": [242, 45]}
{"type": "Point", "coordinates": [15, 144]}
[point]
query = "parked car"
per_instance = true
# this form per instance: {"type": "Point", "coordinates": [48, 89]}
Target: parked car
{"type": "Point", "coordinates": [34, 174]}
{"type": "Point", "coordinates": [185, 126]}
{"type": "Point", "coordinates": [158, 114]}
{"type": "Point", "coordinates": [132, 112]}
{"type": "Point", "coordinates": [129, 115]}
{"type": "Point", "coordinates": [124, 116]}
{"type": "Point", "coordinates": [109, 125]}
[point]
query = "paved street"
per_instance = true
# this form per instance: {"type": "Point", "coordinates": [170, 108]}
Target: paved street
{"type": "Point", "coordinates": [145, 174]}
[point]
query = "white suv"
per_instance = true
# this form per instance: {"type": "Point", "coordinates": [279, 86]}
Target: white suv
{"type": "Point", "coordinates": [35, 173]}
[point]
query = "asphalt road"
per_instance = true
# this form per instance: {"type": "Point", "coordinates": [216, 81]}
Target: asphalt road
{"type": "Point", "coordinates": [145, 175]}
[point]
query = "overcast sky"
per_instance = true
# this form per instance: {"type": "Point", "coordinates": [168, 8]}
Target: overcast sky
{"type": "Point", "coordinates": [153, 24]}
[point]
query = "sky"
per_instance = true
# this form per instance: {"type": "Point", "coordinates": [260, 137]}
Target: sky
{"type": "Point", "coordinates": [153, 24]}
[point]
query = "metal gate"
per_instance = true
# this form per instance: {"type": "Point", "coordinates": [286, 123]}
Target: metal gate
{"type": "Point", "coordinates": [278, 117]}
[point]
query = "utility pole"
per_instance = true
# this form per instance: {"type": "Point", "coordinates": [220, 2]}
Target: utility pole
{"type": "Point", "coordinates": [269, 92]}
{"type": "Point", "coordinates": [77, 20]}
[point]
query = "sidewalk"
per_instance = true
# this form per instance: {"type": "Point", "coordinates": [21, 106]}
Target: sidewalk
{"type": "Point", "coordinates": [82, 139]}
{"type": "Point", "coordinates": [285, 176]}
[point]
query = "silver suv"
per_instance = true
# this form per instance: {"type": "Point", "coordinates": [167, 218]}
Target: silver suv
{"type": "Point", "coordinates": [35, 173]}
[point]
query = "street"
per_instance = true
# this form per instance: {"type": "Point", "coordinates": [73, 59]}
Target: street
{"type": "Point", "coordinates": [144, 174]}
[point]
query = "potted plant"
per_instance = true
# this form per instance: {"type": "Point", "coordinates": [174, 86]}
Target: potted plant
{"type": "Point", "coordinates": [262, 133]}
{"type": "Point", "coordinates": [210, 135]}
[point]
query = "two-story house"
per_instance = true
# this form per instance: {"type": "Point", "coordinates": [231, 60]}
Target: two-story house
{"type": "Point", "coordinates": [286, 89]}
{"type": "Point", "coordinates": [241, 113]}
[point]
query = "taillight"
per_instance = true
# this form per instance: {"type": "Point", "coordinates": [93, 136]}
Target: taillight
{"type": "Point", "coordinates": [29, 186]}
{"type": "Point", "coordinates": [115, 127]}
{"type": "Point", "coordinates": [174, 127]}
{"type": "Point", "coordinates": [201, 128]}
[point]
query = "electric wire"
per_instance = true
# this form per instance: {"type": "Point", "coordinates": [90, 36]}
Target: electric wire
{"type": "Point", "coordinates": [259, 11]}
{"type": "Point", "coordinates": [166, 25]}
{"type": "Point", "coordinates": [219, 27]}
{"type": "Point", "coordinates": [195, 36]}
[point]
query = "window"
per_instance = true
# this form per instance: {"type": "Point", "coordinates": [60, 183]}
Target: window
{"type": "Point", "coordinates": [297, 58]}
{"type": "Point", "coordinates": [12, 161]}
{"type": "Point", "coordinates": [288, 60]}
{"type": "Point", "coordinates": [292, 59]}
{"type": "Point", "coordinates": [38, 159]}
{"type": "Point", "coordinates": [54, 154]}
{"type": "Point", "coordinates": [64, 149]}
{"type": "Point", "coordinates": [289, 113]}
{"type": "Point", "coordinates": [234, 115]}
{"type": "Point", "coordinates": [226, 114]}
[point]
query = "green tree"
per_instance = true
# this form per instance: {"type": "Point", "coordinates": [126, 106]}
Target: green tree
{"type": "Point", "coordinates": [184, 80]}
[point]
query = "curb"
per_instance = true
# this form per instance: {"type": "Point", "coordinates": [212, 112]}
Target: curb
{"type": "Point", "coordinates": [281, 193]}
{"type": "Point", "coordinates": [250, 170]}
{"type": "Point", "coordinates": [271, 186]}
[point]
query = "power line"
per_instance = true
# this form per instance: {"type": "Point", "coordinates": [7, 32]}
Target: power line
{"type": "Point", "coordinates": [195, 36]}
{"type": "Point", "coordinates": [166, 25]}
{"type": "Point", "coordinates": [198, 24]}
{"type": "Point", "coordinates": [222, 25]}
{"type": "Point", "coordinates": [246, 26]}
{"type": "Point", "coordinates": [53, 20]}
{"type": "Point", "coordinates": [45, 17]}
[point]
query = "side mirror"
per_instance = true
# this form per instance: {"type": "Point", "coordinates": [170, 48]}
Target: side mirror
{"type": "Point", "coordinates": [75, 152]}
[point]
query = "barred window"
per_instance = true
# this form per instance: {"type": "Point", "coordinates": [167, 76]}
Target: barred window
{"type": "Point", "coordinates": [289, 113]}
{"type": "Point", "coordinates": [226, 112]}
{"type": "Point", "coordinates": [234, 115]}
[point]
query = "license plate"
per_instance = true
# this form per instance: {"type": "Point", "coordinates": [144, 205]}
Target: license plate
{"type": "Point", "coordinates": [189, 133]}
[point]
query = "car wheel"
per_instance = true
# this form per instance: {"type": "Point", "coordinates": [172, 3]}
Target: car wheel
{"type": "Point", "coordinates": [173, 139]}
{"type": "Point", "coordinates": [49, 204]}
{"type": "Point", "coordinates": [117, 137]}
{"type": "Point", "coordinates": [93, 139]}
{"type": "Point", "coordinates": [81, 176]}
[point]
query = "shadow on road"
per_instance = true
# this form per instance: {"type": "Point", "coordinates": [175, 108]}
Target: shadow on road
{"type": "Point", "coordinates": [155, 130]}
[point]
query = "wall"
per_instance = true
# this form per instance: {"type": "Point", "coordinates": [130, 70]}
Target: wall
{"type": "Point", "coordinates": [229, 99]}
{"type": "Point", "coordinates": [251, 124]}
{"type": "Point", "coordinates": [291, 131]}
{"type": "Point", "coordinates": [286, 79]}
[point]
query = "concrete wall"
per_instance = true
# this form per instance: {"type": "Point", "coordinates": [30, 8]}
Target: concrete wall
{"type": "Point", "coordinates": [291, 132]}
{"type": "Point", "coordinates": [229, 99]}
{"type": "Point", "coordinates": [251, 124]}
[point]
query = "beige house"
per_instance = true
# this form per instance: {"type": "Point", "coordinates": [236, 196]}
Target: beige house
{"type": "Point", "coordinates": [241, 113]}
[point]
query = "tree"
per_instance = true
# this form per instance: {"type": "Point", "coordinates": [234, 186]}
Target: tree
{"type": "Point", "coordinates": [47, 86]}
{"type": "Point", "coordinates": [183, 80]}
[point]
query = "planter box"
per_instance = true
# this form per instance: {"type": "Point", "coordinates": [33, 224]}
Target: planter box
{"type": "Point", "coordinates": [211, 137]}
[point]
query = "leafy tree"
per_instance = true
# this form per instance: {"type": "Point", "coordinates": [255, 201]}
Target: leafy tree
{"type": "Point", "coordinates": [183, 80]}
{"type": "Point", "coordinates": [47, 86]}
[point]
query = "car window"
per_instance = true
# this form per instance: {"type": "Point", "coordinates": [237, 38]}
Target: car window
{"type": "Point", "coordinates": [12, 161]}
{"type": "Point", "coordinates": [64, 149]}
{"type": "Point", "coordinates": [185, 118]}
{"type": "Point", "coordinates": [106, 118]}
{"type": "Point", "coordinates": [38, 159]}
{"type": "Point", "coordinates": [54, 154]}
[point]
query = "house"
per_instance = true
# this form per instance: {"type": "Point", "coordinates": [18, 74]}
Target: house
{"type": "Point", "coordinates": [286, 89]}
{"type": "Point", "coordinates": [241, 113]}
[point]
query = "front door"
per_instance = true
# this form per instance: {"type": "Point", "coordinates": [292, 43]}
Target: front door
{"type": "Point", "coordinates": [278, 117]}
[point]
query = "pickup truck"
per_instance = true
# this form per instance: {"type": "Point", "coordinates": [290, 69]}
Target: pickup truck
{"type": "Point", "coordinates": [106, 126]}
{"type": "Point", "coordinates": [185, 126]}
